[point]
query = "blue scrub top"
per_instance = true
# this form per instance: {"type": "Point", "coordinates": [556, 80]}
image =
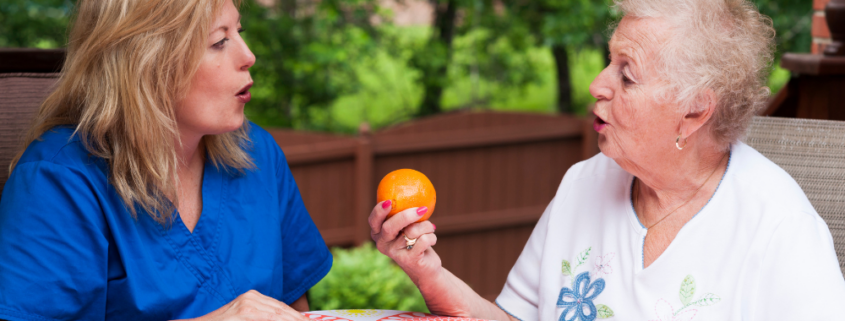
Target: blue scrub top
{"type": "Point", "coordinates": [70, 250]}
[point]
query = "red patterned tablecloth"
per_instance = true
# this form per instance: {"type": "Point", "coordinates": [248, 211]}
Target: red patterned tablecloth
{"type": "Point", "coordinates": [378, 315]}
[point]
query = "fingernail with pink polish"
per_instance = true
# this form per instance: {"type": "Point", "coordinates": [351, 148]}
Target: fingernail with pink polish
{"type": "Point", "coordinates": [385, 204]}
{"type": "Point", "coordinates": [434, 226]}
{"type": "Point", "coordinates": [421, 211]}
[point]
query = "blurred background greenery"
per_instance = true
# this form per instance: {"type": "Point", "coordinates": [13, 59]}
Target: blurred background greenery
{"type": "Point", "coordinates": [330, 65]}
{"type": "Point", "coordinates": [363, 278]}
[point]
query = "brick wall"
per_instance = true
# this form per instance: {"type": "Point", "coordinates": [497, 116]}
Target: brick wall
{"type": "Point", "coordinates": [821, 34]}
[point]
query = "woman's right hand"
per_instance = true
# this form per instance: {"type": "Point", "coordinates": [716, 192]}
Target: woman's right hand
{"type": "Point", "coordinates": [420, 262]}
{"type": "Point", "coordinates": [253, 305]}
{"type": "Point", "coordinates": [443, 292]}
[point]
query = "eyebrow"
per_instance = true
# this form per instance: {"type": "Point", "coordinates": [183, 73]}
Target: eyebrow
{"type": "Point", "coordinates": [226, 28]}
{"type": "Point", "coordinates": [625, 51]}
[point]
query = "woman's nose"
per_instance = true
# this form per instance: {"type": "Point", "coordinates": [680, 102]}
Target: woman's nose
{"type": "Point", "coordinates": [600, 88]}
{"type": "Point", "coordinates": [248, 56]}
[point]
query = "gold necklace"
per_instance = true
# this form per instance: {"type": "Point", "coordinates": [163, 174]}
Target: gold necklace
{"type": "Point", "coordinates": [637, 191]}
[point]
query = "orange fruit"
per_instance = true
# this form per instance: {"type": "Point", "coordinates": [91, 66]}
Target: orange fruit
{"type": "Point", "coordinates": [407, 188]}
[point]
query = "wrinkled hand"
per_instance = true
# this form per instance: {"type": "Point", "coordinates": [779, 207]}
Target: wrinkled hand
{"type": "Point", "coordinates": [253, 306]}
{"type": "Point", "coordinates": [419, 262]}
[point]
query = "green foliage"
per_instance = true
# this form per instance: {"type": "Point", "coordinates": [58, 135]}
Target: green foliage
{"type": "Point", "coordinates": [326, 65]}
{"type": "Point", "coordinates": [778, 78]}
{"type": "Point", "coordinates": [792, 20]}
{"type": "Point", "coordinates": [363, 278]}
{"type": "Point", "coordinates": [307, 53]}
{"type": "Point", "coordinates": [571, 23]}
{"type": "Point", "coordinates": [34, 23]}
{"type": "Point", "coordinates": [389, 93]}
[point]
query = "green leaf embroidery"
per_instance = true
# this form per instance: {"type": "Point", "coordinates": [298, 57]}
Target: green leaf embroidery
{"type": "Point", "coordinates": [687, 289]}
{"type": "Point", "coordinates": [566, 268]}
{"type": "Point", "coordinates": [582, 257]}
{"type": "Point", "coordinates": [708, 299]}
{"type": "Point", "coordinates": [603, 311]}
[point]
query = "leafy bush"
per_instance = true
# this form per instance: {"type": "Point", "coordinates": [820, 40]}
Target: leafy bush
{"type": "Point", "coordinates": [363, 278]}
{"type": "Point", "coordinates": [34, 23]}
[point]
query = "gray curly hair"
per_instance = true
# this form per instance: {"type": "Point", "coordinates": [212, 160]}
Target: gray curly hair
{"type": "Point", "coordinates": [726, 46]}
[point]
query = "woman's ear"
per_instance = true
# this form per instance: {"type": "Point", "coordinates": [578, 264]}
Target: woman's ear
{"type": "Point", "coordinates": [699, 113]}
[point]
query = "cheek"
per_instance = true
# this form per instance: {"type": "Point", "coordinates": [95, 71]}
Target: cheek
{"type": "Point", "coordinates": [207, 82]}
{"type": "Point", "coordinates": [627, 110]}
{"type": "Point", "coordinates": [636, 120]}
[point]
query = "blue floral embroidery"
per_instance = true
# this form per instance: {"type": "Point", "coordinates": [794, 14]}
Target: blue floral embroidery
{"type": "Point", "coordinates": [575, 302]}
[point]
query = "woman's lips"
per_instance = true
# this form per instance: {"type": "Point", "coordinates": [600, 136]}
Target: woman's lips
{"type": "Point", "coordinates": [599, 124]}
{"type": "Point", "coordinates": [244, 96]}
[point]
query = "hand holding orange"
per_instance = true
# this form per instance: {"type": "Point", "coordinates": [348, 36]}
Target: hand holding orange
{"type": "Point", "coordinates": [407, 188]}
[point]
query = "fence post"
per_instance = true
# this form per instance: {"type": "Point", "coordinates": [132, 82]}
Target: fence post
{"type": "Point", "coordinates": [364, 189]}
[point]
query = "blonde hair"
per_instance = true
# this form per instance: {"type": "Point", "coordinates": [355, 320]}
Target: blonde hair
{"type": "Point", "coordinates": [723, 45]}
{"type": "Point", "coordinates": [128, 62]}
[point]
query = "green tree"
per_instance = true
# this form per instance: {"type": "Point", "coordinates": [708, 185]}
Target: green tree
{"type": "Point", "coordinates": [564, 25]}
{"type": "Point", "coordinates": [561, 25]}
{"type": "Point", "coordinates": [307, 52]}
{"type": "Point", "coordinates": [792, 20]}
{"type": "Point", "coordinates": [498, 49]}
{"type": "Point", "coordinates": [34, 23]}
{"type": "Point", "coordinates": [432, 59]}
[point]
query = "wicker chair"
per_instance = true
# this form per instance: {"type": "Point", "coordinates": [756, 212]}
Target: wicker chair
{"type": "Point", "coordinates": [813, 152]}
{"type": "Point", "coordinates": [20, 96]}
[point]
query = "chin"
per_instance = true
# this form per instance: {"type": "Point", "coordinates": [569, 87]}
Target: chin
{"type": "Point", "coordinates": [232, 124]}
{"type": "Point", "coordinates": [606, 148]}
{"type": "Point", "coordinates": [235, 126]}
{"type": "Point", "coordinates": [602, 142]}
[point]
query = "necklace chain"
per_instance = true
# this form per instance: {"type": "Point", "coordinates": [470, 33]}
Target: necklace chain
{"type": "Point", "coordinates": [637, 196]}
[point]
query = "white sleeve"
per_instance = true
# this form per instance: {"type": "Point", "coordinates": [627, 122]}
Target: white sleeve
{"type": "Point", "coordinates": [800, 278]}
{"type": "Point", "coordinates": [520, 296]}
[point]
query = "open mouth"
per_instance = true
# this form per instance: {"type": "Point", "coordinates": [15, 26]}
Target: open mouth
{"type": "Point", "coordinates": [244, 90]}
{"type": "Point", "coordinates": [599, 124]}
{"type": "Point", "coordinates": [244, 96]}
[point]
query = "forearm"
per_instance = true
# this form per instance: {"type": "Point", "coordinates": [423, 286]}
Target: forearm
{"type": "Point", "coordinates": [300, 304]}
{"type": "Point", "coordinates": [445, 294]}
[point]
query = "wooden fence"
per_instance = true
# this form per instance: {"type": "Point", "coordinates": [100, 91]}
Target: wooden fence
{"type": "Point", "coordinates": [494, 174]}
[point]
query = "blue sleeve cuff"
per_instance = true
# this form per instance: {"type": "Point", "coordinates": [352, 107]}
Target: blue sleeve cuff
{"type": "Point", "coordinates": [508, 312]}
{"type": "Point", "coordinates": [310, 281]}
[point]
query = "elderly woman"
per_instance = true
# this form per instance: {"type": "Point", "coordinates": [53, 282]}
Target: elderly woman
{"type": "Point", "coordinates": [142, 192]}
{"type": "Point", "coordinates": [676, 219]}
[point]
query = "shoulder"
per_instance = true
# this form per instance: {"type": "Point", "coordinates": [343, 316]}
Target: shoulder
{"type": "Point", "coordinates": [263, 147]}
{"type": "Point", "coordinates": [258, 135]}
{"type": "Point", "coordinates": [59, 146]}
{"type": "Point", "coordinates": [765, 204]}
{"type": "Point", "coordinates": [261, 141]}
{"type": "Point", "coordinates": [757, 182]}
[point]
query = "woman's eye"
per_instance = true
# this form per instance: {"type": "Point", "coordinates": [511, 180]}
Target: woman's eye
{"type": "Point", "coordinates": [625, 79]}
{"type": "Point", "coordinates": [240, 30]}
{"type": "Point", "coordinates": [219, 44]}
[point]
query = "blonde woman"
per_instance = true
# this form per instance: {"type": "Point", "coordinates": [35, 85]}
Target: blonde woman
{"type": "Point", "coordinates": [143, 193]}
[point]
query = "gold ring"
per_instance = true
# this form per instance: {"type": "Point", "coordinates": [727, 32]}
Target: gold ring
{"type": "Point", "coordinates": [409, 243]}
